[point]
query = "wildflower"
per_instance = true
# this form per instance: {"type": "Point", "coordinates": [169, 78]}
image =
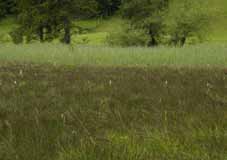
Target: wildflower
{"type": "Point", "coordinates": [110, 82]}
{"type": "Point", "coordinates": [209, 85]}
{"type": "Point", "coordinates": [63, 117]}
{"type": "Point", "coordinates": [21, 72]}
{"type": "Point", "coordinates": [7, 124]}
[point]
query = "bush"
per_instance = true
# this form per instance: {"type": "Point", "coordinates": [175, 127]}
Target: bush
{"type": "Point", "coordinates": [128, 37]}
{"type": "Point", "coordinates": [17, 36]}
{"type": "Point", "coordinates": [187, 20]}
{"type": "Point", "coordinates": [5, 38]}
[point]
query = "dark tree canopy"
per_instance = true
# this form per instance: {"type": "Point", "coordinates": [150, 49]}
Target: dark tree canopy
{"type": "Point", "coordinates": [146, 14]}
{"type": "Point", "coordinates": [185, 19]}
{"type": "Point", "coordinates": [108, 7]}
{"type": "Point", "coordinates": [7, 7]}
{"type": "Point", "coordinates": [48, 19]}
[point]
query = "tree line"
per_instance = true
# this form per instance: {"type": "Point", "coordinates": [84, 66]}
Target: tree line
{"type": "Point", "coordinates": [46, 20]}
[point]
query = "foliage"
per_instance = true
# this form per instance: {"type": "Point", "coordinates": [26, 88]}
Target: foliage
{"type": "Point", "coordinates": [45, 20]}
{"type": "Point", "coordinates": [146, 15]}
{"type": "Point", "coordinates": [128, 37]}
{"type": "Point", "coordinates": [34, 17]}
{"type": "Point", "coordinates": [164, 21]}
{"type": "Point", "coordinates": [108, 7]}
{"type": "Point", "coordinates": [7, 7]}
{"type": "Point", "coordinates": [187, 18]}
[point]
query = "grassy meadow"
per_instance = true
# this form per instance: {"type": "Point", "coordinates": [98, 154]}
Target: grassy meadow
{"type": "Point", "coordinates": [91, 101]}
{"type": "Point", "coordinates": [61, 102]}
{"type": "Point", "coordinates": [96, 113]}
{"type": "Point", "coordinates": [203, 55]}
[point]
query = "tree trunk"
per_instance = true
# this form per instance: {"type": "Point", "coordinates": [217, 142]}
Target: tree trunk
{"type": "Point", "coordinates": [49, 34]}
{"type": "Point", "coordinates": [152, 42]}
{"type": "Point", "coordinates": [41, 33]}
{"type": "Point", "coordinates": [67, 30]}
{"type": "Point", "coordinates": [182, 41]}
{"type": "Point", "coordinates": [175, 39]}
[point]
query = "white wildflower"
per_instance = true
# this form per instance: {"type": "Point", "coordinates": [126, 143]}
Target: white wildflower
{"type": "Point", "coordinates": [63, 117]}
{"type": "Point", "coordinates": [21, 72]}
{"type": "Point", "coordinates": [209, 85]}
{"type": "Point", "coordinates": [110, 82]}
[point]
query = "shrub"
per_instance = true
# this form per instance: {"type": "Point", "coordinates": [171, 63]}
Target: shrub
{"type": "Point", "coordinates": [17, 37]}
{"type": "Point", "coordinates": [5, 38]}
{"type": "Point", "coordinates": [187, 19]}
{"type": "Point", "coordinates": [128, 37]}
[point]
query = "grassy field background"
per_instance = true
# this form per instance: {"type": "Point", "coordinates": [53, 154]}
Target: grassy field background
{"type": "Point", "coordinates": [204, 55]}
{"type": "Point", "coordinates": [89, 101]}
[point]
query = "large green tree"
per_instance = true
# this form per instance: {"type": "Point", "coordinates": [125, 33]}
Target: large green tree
{"type": "Point", "coordinates": [147, 15]}
{"type": "Point", "coordinates": [186, 19]}
{"type": "Point", "coordinates": [68, 11]}
{"type": "Point", "coordinates": [7, 7]}
{"type": "Point", "coordinates": [35, 20]}
{"type": "Point", "coordinates": [108, 7]}
{"type": "Point", "coordinates": [47, 19]}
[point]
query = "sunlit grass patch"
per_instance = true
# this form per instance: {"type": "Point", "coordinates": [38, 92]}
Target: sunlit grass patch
{"type": "Point", "coordinates": [204, 55]}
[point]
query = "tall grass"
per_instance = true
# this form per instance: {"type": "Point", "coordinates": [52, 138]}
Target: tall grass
{"type": "Point", "coordinates": [198, 55]}
{"type": "Point", "coordinates": [115, 113]}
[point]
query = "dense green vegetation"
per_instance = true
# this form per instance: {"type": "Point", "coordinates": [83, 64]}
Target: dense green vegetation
{"type": "Point", "coordinates": [113, 80]}
{"type": "Point", "coordinates": [166, 22]}
{"type": "Point", "coordinates": [7, 7]}
{"type": "Point", "coordinates": [98, 31]}
{"type": "Point", "coordinates": [93, 113]}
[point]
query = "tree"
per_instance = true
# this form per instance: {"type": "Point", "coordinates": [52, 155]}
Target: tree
{"type": "Point", "coordinates": [187, 18]}
{"type": "Point", "coordinates": [35, 20]}
{"type": "Point", "coordinates": [7, 7]}
{"type": "Point", "coordinates": [147, 15]}
{"type": "Point", "coordinates": [48, 19]}
{"type": "Point", "coordinates": [108, 7]}
{"type": "Point", "coordinates": [74, 10]}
